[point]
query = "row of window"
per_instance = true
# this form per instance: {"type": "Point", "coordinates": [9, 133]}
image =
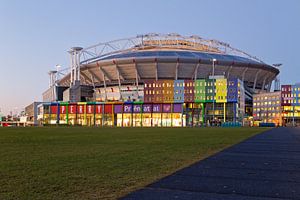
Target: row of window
{"type": "Point", "coordinates": [189, 84]}
{"type": "Point", "coordinates": [266, 109]}
{"type": "Point", "coordinates": [289, 89]}
{"type": "Point", "coordinates": [266, 98]}
{"type": "Point", "coordinates": [266, 103]}
{"type": "Point", "coordinates": [291, 101]}
{"type": "Point", "coordinates": [268, 114]}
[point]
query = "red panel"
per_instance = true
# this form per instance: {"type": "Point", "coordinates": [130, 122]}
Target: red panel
{"type": "Point", "coordinates": [80, 109]}
{"type": "Point", "coordinates": [90, 109]}
{"type": "Point", "coordinates": [53, 109]}
{"type": "Point", "coordinates": [98, 109]}
{"type": "Point", "coordinates": [72, 109]}
{"type": "Point", "coordinates": [108, 109]}
{"type": "Point", "coordinates": [63, 109]}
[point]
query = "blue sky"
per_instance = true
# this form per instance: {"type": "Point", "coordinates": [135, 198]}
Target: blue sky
{"type": "Point", "coordinates": [35, 35]}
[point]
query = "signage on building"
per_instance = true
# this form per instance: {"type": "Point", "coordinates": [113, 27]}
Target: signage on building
{"type": "Point", "coordinates": [127, 108]}
{"type": "Point", "coordinates": [98, 109]}
{"type": "Point", "coordinates": [63, 109]}
{"type": "Point", "coordinates": [90, 109]}
{"type": "Point", "coordinates": [72, 109]}
{"type": "Point", "coordinates": [147, 108]}
{"type": "Point", "coordinates": [156, 108]}
{"type": "Point", "coordinates": [137, 108]}
{"type": "Point", "coordinates": [80, 109]}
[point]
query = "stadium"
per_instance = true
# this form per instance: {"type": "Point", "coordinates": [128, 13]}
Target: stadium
{"type": "Point", "coordinates": [156, 80]}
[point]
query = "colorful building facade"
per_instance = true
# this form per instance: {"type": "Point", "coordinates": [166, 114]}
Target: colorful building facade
{"type": "Point", "coordinates": [290, 98]}
{"type": "Point", "coordinates": [166, 103]}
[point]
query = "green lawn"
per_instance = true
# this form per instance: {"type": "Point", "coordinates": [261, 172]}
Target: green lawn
{"type": "Point", "coordinates": [106, 163]}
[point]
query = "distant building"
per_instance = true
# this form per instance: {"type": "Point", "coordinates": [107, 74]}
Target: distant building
{"type": "Point", "coordinates": [33, 114]}
{"type": "Point", "coordinates": [267, 107]}
{"type": "Point", "coordinates": [290, 97]}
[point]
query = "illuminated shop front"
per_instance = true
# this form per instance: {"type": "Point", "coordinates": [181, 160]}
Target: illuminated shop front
{"type": "Point", "coordinates": [72, 114]}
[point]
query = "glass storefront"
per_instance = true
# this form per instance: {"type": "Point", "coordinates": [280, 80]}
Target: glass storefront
{"type": "Point", "coordinates": [138, 115]}
{"type": "Point", "coordinates": [146, 119]}
{"type": "Point", "coordinates": [81, 119]}
{"type": "Point", "coordinates": [62, 119]}
{"type": "Point", "coordinates": [107, 119]}
{"type": "Point", "coordinates": [90, 119]}
{"type": "Point", "coordinates": [98, 119]}
{"type": "Point", "coordinates": [166, 119]}
{"type": "Point", "coordinates": [72, 119]}
{"type": "Point", "coordinates": [127, 120]}
{"type": "Point", "coordinates": [156, 119]}
{"type": "Point", "coordinates": [136, 119]}
{"type": "Point", "coordinates": [177, 120]}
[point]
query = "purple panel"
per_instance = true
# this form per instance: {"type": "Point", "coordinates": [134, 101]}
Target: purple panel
{"type": "Point", "coordinates": [166, 108]}
{"type": "Point", "coordinates": [137, 108]}
{"type": "Point", "coordinates": [147, 108]}
{"type": "Point", "coordinates": [177, 108]}
{"type": "Point", "coordinates": [117, 108]}
{"type": "Point", "coordinates": [156, 108]}
{"type": "Point", "coordinates": [127, 108]}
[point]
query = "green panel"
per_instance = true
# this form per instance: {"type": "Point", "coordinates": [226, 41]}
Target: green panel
{"type": "Point", "coordinates": [200, 91]}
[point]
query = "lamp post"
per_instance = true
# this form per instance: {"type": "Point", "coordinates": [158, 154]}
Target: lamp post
{"type": "Point", "coordinates": [214, 94]}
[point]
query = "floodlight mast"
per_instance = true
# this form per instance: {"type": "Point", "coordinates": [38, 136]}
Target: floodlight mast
{"type": "Point", "coordinates": [75, 54]}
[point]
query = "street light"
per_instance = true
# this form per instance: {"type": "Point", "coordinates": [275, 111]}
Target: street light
{"type": "Point", "coordinates": [213, 76]}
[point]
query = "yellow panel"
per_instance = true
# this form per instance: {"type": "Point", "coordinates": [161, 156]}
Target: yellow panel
{"type": "Point", "coordinates": [221, 90]}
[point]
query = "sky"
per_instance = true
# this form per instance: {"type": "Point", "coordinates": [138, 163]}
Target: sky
{"type": "Point", "coordinates": [36, 35]}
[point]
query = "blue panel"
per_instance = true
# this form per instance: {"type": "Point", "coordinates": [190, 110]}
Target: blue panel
{"type": "Point", "coordinates": [232, 90]}
{"type": "Point", "coordinates": [295, 93]}
{"type": "Point", "coordinates": [178, 91]}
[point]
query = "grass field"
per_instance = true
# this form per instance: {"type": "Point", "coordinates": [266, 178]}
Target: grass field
{"type": "Point", "coordinates": [106, 163]}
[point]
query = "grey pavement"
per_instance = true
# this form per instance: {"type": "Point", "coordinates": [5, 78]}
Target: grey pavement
{"type": "Point", "coordinates": [266, 166]}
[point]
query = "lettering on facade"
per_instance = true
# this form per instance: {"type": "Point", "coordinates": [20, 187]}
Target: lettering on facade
{"type": "Point", "coordinates": [127, 108]}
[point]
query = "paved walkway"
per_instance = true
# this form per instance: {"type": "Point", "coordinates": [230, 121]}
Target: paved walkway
{"type": "Point", "coordinates": [266, 166]}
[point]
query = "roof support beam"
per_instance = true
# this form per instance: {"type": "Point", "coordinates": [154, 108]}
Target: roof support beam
{"type": "Point", "coordinates": [104, 73]}
{"type": "Point", "coordinates": [137, 73]}
{"type": "Point", "coordinates": [255, 79]}
{"type": "Point", "coordinates": [196, 71]}
{"type": "Point", "coordinates": [243, 74]}
{"type": "Point", "coordinates": [104, 82]}
{"type": "Point", "coordinates": [119, 73]}
{"type": "Point", "coordinates": [269, 86]}
{"type": "Point", "coordinates": [86, 77]}
{"type": "Point", "coordinates": [137, 78]}
{"type": "Point", "coordinates": [264, 81]}
{"type": "Point", "coordinates": [228, 72]}
{"type": "Point", "coordinates": [156, 70]}
{"type": "Point", "coordinates": [119, 81]}
{"type": "Point", "coordinates": [176, 70]}
{"type": "Point", "coordinates": [94, 75]}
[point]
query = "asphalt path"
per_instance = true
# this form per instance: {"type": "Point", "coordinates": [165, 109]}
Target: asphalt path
{"type": "Point", "coordinates": [265, 167]}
